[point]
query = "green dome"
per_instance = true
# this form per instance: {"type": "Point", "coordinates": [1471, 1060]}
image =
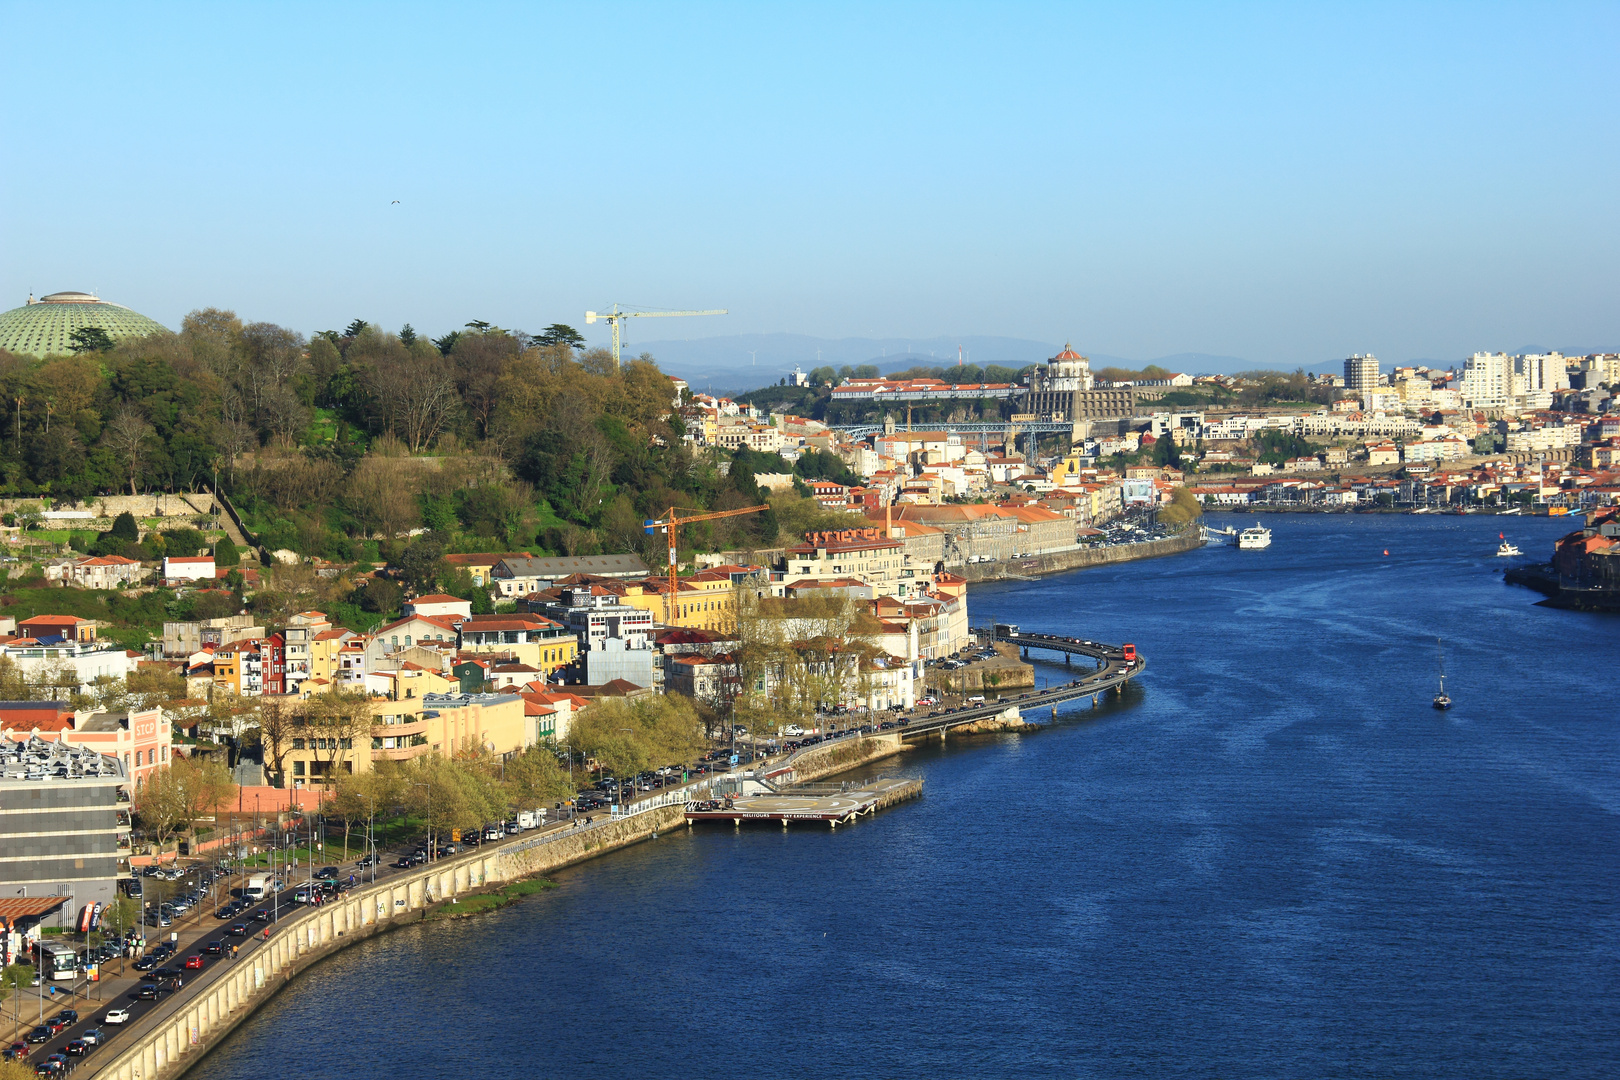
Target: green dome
{"type": "Point", "coordinates": [44, 327]}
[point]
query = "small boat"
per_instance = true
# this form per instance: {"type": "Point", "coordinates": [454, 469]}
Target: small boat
{"type": "Point", "coordinates": [1254, 539]}
{"type": "Point", "coordinates": [1441, 700]}
{"type": "Point", "coordinates": [1506, 550]}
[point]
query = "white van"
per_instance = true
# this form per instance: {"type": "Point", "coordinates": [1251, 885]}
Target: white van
{"type": "Point", "coordinates": [256, 888]}
{"type": "Point", "coordinates": [793, 731]}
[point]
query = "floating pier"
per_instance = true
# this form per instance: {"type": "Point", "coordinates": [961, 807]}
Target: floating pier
{"type": "Point", "coordinates": [835, 804]}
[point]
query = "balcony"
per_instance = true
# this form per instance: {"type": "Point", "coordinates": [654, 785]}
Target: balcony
{"type": "Point", "coordinates": [123, 869]}
{"type": "Point", "coordinates": [399, 753]}
{"type": "Point", "coordinates": [416, 725]}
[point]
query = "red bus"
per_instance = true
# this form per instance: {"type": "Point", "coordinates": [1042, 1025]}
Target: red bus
{"type": "Point", "coordinates": [1128, 651]}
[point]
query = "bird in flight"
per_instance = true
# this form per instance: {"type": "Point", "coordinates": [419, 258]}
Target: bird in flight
{"type": "Point", "coordinates": [394, 203]}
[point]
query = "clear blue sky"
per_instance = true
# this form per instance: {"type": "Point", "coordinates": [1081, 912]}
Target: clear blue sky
{"type": "Point", "coordinates": [1285, 183]}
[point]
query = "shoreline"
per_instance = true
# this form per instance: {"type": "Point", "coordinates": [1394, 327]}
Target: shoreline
{"type": "Point", "coordinates": [1081, 558]}
{"type": "Point", "coordinates": [184, 1035]}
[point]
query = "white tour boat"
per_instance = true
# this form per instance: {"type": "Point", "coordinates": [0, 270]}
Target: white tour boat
{"type": "Point", "coordinates": [1504, 549]}
{"type": "Point", "coordinates": [1254, 539]}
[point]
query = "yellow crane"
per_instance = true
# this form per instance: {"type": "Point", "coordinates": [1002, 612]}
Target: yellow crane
{"type": "Point", "coordinates": [671, 522]}
{"type": "Point", "coordinates": [615, 317]}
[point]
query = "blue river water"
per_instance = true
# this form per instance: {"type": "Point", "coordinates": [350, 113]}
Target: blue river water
{"type": "Point", "coordinates": [1270, 858]}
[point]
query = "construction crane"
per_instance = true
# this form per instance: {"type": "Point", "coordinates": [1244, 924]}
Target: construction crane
{"type": "Point", "coordinates": [672, 520]}
{"type": "Point", "coordinates": [615, 317]}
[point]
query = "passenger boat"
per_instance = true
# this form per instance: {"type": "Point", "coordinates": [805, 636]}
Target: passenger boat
{"type": "Point", "coordinates": [1504, 549]}
{"type": "Point", "coordinates": [1254, 539]}
{"type": "Point", "coordinates": [1441, 700]}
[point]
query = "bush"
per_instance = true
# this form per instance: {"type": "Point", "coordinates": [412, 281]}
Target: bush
{"type": "Point", "coordinates": [226, 553]}
{"type": "Point", "coordinates": [124, 527]}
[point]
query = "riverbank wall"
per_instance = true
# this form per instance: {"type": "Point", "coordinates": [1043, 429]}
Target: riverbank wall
{"type": "Point", "coordinates": [829, 759]}
{"type": "Point", "coordinates": [169, 1043]}
{"type": "Point", "coordinates": [1081, 558]}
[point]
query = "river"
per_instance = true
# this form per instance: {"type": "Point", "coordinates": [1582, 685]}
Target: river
{"type": "Point", "coordinates": [1271, 858]}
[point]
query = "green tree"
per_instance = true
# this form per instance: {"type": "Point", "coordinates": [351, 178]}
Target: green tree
{"type": "Point", "coordinates": [125, 528]}
{"type": "Point", "coordinates": [560, 334]}
{"type": "Point", "coordinates": [226, 553]}
{"type": "Point", "coordinates": [407, 335]}
{"type": "Point", "coordinates": [356, 328]}
{"type": "Point", "coordinates": [90, 339]}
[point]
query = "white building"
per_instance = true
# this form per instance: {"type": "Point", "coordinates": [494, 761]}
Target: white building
{"type": "Point", "coordinates": [84, 661]}
{"type": "Point", "coordinates": [189, 568]}
{"type": "Point", "coordinates": [1361, 372]}
{"type": "Point", "coordinates": [1488, 382]}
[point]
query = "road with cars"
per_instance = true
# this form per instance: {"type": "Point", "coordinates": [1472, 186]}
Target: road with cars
{"type": "Point", "coordinates": [126, 1001]}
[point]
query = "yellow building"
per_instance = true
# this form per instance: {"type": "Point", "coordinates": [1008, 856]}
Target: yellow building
{"type": "Point", "coordinates": [530, 639]}
{"type": "Point", "coordinates": [410, 727]}
{"type": "Point", "coordinates": [707, 601]}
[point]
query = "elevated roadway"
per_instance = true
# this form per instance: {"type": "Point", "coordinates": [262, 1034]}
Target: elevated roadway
{"type": "Point", "coordinates": [1116, 665]}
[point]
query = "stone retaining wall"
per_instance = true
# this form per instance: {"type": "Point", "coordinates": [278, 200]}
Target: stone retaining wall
{"type": "Point", "coordinates": [174, 1041]}
{"type": "Point", "coordinates": [1074, 560]}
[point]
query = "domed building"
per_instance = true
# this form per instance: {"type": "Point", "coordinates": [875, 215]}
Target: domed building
{"type": "Point", "coordinates": [1068, 370]}
{"type": "Point", "coordinates": [45, 327]}
{"type": "Point", "coordinates": [1066, 390]}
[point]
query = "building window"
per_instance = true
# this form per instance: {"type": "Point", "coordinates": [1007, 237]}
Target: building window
{"type": "Point", "coordinates": [298, 768]}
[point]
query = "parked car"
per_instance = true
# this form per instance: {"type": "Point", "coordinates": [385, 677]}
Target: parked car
{"type": "Point", "coordinates": [68, 1017]}
{"type": "Point", "coordinates": [39, 1034]}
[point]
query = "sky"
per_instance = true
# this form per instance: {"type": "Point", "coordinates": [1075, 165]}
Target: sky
{"type": "Point", "coordinates": [1284, 183]}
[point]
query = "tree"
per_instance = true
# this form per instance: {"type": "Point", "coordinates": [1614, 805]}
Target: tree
{"type": "Point", "coordinates": [381, 497]}
{"type": "Point", "coordinates": [226, 553]}
{"type": "Point", "coordinates": [535, 778]}
{"type": "Point", "coordinates": [357, 327]}
{"type": "Point", "coordinates": [332, 723]}
{"type": "Point", "coordinates": [176, 795]}
{"type": "Point", "coordinates": [380, 596]}
{"type": "Point", "coordinates": [126, 435]}
{"type": "Point", "coordinates": [277, 720]}
{"type": "Point", "coordinates": [124, 528]}
{"type": "Point", "coordinates": [407, 334]}
{"type": "Point", "coordinates": [422, 564]}
{"type": "Point", "coordinates": [90, 339]}
{"type": "Point", "coordinates": [560, 334]}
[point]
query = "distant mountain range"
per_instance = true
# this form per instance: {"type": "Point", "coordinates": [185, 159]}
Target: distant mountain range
{"type": "Point", "coordinates": [748, 361]}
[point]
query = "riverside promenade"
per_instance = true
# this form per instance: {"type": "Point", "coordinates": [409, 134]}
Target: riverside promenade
{"type": "Point", "coordinates": [166, 1040]}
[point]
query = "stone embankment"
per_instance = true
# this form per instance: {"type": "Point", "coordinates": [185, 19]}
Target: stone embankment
{"type": "Point", "coordinates": [1075, 560]}
{"type": "Point", "coordinates": [830, 758]}
{"type": "Point", "coordinates": [169, 1042]}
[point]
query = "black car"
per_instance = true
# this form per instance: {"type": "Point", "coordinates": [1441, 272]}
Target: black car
{"type": "Point", "coordinates": [262, 915]}
{"type": "Point", "coordinates": [238, 930]}
{"type": "Point", "coordinates": [67, 1017]}
{"type": "Point", "coordinates": [404, 862]}
{"type": "Point", "coordinates": [77, 1048]}
{"type": "Point", "coordinates": [327, 873]}
{"type": "Point", "coordinates": [148, 992]}
{"type": "Point", "coordinates": [40, 1034]}
{"type": "Point", "coordinates": [213, 948]}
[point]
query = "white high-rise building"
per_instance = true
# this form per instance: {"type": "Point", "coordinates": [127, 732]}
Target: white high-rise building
{"type": "Point", "coordinates": [1544, 371]}
{"type": "Point", "coordinates": [1487, 381]}
{"type": "Point", "coordinates": [1361, 372]}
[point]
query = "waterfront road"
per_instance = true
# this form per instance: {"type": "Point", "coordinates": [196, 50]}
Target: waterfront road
{"type": "Point", "coordinates": [194, 933]}
{"type": "Point", "coordinates": [1114, 670]}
